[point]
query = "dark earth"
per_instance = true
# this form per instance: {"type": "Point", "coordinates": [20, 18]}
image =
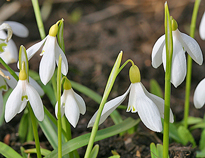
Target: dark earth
{"type": "Point", "coordinates": [93, 39]}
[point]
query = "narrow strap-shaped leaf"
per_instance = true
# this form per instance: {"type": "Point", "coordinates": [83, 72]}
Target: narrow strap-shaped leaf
{"type": "Point", "coordinates": [101, 134]}
{"type": "Point", "coordinates": [7, 151]}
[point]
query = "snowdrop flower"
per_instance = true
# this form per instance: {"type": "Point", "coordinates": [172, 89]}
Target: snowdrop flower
{"type": "Point", "coordinates": [199, 97]}
{"type": "Point", "coordinates": [149, 107]}
{"type": "Point", "coordinates": [50, 53]}
{"type": "Point", "coordinates": [18, 98]}
{"type": "Point", "coordinates": [202, 27]}
{"type": "Point", "coordinates": [5, 39]}
{"type": "Point", "coordinates": [181, 43]}
{"type": "Point", "coordinates": [10, 53]}
{"type": "Point", "coordinates": [71, 104]}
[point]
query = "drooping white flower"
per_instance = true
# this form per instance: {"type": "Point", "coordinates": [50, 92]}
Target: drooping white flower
{"type": "Point", "coordinates": [199, 95]}
{"type": "Point", "coordinates": [202, 27]}
{"type": "Point", "coordinates": [149, 107]}
{"type": "Point", "coordinates": [3, 87]}
{"type": "Point", "coordinates": [10, 53]}
{"type": "Point", "coordinates": [18, 98]}
{"type": "Point", "coordinates": [72, 104]}
{"type": "Point", "coordinates": [50, 53]}
{"type": "Point", "coordinates": [181, 43]}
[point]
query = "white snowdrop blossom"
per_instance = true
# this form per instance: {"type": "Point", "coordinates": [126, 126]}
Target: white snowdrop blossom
{"type": "Point", "coordinates": [149, 107]}
{"type": "Point", "coordinates": [202, 27]}
{"type": "Point", "coordinates": [18, 98]}
{"type": "Point", "coordinates": [72, 104]}
{"type": "Point", "coordinates": [181, 43]}
{"type": "Point", "coordinates": [50, 53]}
{"type": "Point", "coordinates": [10, 53]}
{"type": "Point", "coordinates": [199, 95]}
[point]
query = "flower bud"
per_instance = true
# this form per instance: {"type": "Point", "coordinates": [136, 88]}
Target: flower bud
{"type": "Point", "coordinates": [53, 30]}
{"type": "Point", "coordinates": [174, 25]}
{"type": "Point", "coordinates": [67, 84]}
{"type": "Point", "coordinates": [134, 74]}
{"type": "Point", "coordinates": [22, 74]}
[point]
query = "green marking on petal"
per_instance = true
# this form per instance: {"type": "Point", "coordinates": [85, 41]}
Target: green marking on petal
{"type": "Point", "coordinates": [133, 109]}
{"type": "Point", "coordinates": [25, 96]}
{"type": "Point", "coordinates": [3, 87]}
{"type": "Point", "coordinates": [1, 47]}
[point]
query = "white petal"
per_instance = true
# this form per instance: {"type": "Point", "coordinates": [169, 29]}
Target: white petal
{"type": "Point", "coordinates": [202, 27]}
{"type": "Point", "coordinates": [47, 64]}
{"type": "Point", "coordinates": [178, 73]}
{"type": "Point", "coordinates": [33, 49]}
{"type": "Point", "coordinates": [109, 107]}
{"type": "Point", "coordinates": [3, 85]}
{"type": "Point", "coordinates": [72, 112]}
{"type": "Point", "coordinates": [1, 104]}
{"type": "Point", "coordinates": [64, 65]}
{"type": "Point", "coordinates": [12, 82]}
{"type": "Point", "coordinates": [147, 109]}
{"type": "Point", "coordinates": [157, 52]}
{"type": "Point", "coordinates": [199, 95]}
{"type": "Point", "coordinates": [63, 99]}
{"type": "Point", "coordinates": [132, 100]}
{"type": "Point", "coordinates": [14, 102]}
{"type": "Point", "coordinates": [10, 54]}
{"type": "Point", "coordinates": [23, 105]}
{"type": "Point", "coordinates": [192, 47]}
{"type": "Point", "coordinates": [159, 102]}
{"type": "Point", "coordinates": [36, 86]}
{"type": "Point", "coordinates": [35, 101]}
{"type": "Point", "coordinates": [80, 102]}
{"type": "Point", "coordinates": [18, 28]}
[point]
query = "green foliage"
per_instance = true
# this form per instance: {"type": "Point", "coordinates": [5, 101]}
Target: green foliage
{"type": "Point", "coordinates": [7, 151]}
{"type": "Point", "coordinates": [156, 151]}
{"type": "Point", "coordinates": [80, 141]}
{"type": "Point", "coordinates": [182, 131]}
{"type": "Point", "coordinates": [94, 152]}
{"type": "Point", "coordinates": [155, 88]}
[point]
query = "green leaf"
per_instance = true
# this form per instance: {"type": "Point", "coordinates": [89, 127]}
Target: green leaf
{"type": "Point", "coordinates": [155, 88]}
{"type": "Point", "coordinates": [23, 127]}
{"type": "Point", "coordinates": [200, 153]}
{"type": "Point", "coordinates": [194, 120]}
{"type": "Point", "coordinates": [160, 150]}
{"type": "Point", "coordinates": [101, 134]}
{"type": "Point", "coordinates": [186, 136]}
{"type": "Point", "coordinates": [199, 125]}
{"type": "Point", "coordinates": [202, 140]}
{"type": "Point", "coordinates": [23, 153]}
{"type": "Point", "coordinates": [49, 131]}
{"type": "Point", "coordinates": [6, 95]}
{"type": "Point", "coordinates": [153, 151]}
{"type": "Point", "coordinates": [44, 152]}
{"type": "Point", "coordinates": [60, 35]}
{"type": "Point", "coordinates": [115, 156]}
{"type": "Point", "coordinates": [7, 151]}
{"type": "Point", "coordinates": [94, 152]}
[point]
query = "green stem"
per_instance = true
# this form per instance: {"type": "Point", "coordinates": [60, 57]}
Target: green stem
{"type": "Point", "coordinates": [189, 64]}
{"type": "Point", "coordinates": [59, 108]}
{"type": "Point", "coordinates": [35, 131]}
{"type": "Point", "coordinates": [38, 18]}
{"type": "Point", "coordinates": [110, 83]}
{"type": "Point", "coordinates": [121, 67]}
{"type": "Point", "coordinates": [169, 52]}
{"type": "Point", "coordinates": [9, 69]}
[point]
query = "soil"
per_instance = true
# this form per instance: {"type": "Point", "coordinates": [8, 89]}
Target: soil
{"type": "Point", "coordinates": [92, 43]}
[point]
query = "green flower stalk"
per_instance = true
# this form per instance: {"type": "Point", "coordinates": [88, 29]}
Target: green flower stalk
{"type": "Point", "coordinates": [189, 64]}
